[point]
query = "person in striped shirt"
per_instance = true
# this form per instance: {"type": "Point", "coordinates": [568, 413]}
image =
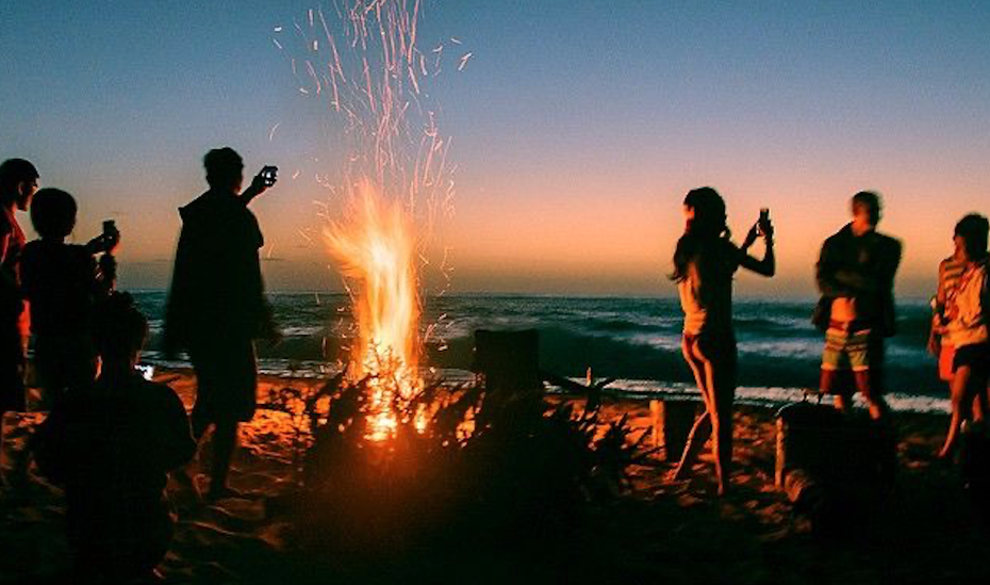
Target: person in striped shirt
{"type": "Point", "coordinates": [967, 328]}
{"type": "Point", "coordinates": [939, 343]}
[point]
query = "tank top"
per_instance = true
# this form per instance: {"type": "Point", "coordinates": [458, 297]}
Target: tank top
{"type": "Point", "coordinates": [706, 293]}
{"type": "Point", "coordinates": [952, 270]}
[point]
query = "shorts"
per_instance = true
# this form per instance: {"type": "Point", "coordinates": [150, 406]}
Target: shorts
{"type": "Point", "coordinates": [226, 383]}
{"type": "Point", "coordinates": [851, 349]}
{"type": "Point", "coordinates": [976, 356]}
{"type": "Point", "coordinates": [946, 358]}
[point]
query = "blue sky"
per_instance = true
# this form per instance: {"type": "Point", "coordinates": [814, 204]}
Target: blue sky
{"type": "Point", "coordinates": [577, 126]}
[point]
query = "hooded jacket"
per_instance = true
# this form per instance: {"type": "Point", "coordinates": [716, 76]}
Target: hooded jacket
{"type": "Point", "coordinates": [217, 290]}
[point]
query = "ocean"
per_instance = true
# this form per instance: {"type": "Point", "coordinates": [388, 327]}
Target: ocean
{"type": "Point", "coordinates": [636, 340]}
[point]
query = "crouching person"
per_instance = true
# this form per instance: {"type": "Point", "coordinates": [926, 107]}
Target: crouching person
{"type": "Point", "coordinates": [111, 444]}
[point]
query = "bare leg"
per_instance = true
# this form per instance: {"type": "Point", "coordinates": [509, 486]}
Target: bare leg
{"type": "Point", "coordinates": [702, 428]}
{"type": "Point", "coordinates": [719, 384]}
{"type": "Point", "coordinates": [722, 382]}
{"type": "Point", "coordinates": [224, 442]}
{"type": "Point", "coordinates": [827, 384]}
{"type": "Point", "coordinates": [874, 400]}
{"type": "Point", "coordinates": [696, 440]}
{"type": "Point", "coordinates": [960, 407]}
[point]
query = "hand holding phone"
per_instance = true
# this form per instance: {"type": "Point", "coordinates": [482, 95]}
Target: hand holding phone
{"type": "Point", "coordinates": [764, 225]}
{"type": "Point", "coordinates": [269, 174]}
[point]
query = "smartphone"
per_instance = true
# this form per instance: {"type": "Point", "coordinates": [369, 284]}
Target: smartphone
{"type": "Point", "coordinates": [764, 219]}
{"type": "Point", "coordinates": [270, 175]}
{"type": "Point", "coordinates": [109, 228]}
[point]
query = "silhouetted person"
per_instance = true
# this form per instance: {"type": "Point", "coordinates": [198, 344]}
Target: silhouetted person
{"type": "Point", "coordinates": [967, 328]}
{"type": "Point", "coordinates": [855, 274]}
{"type": "Point", "coordinates": [18, 183]}
{"type": "Point", "coordinates": [111, 444]}
{"type": "Point", "coordinates": [705, 263]}
{"type": "Point", "coordinates": [217, 306]}
{"type": "Point", "coordinates": [62, 283]}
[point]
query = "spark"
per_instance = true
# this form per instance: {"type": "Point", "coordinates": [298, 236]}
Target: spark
{"type": "Point", "coordinates": [271, 133]}
{"type": "Point", "coordinates": [394, 162]}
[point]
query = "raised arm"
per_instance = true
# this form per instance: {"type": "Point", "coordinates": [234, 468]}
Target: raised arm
{"type": "Point", "coordinates": [766, 266]}
{"type": "Point", "coordinates": [260, 183]}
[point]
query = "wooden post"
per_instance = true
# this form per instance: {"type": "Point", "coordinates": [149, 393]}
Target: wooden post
{"type": "Point", "coordinates": [672, 422]}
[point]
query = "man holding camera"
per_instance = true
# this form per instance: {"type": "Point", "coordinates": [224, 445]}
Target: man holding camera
{"type": "Point", "coordinates": [217, 306]}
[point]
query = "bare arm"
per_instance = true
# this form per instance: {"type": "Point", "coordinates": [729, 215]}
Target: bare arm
{"type": "Point", "coordinates": [765, 267]}
{"type": "Point", "coordinates": [259, 184]}
{"type": "Point", "coordinates": [937, 327]}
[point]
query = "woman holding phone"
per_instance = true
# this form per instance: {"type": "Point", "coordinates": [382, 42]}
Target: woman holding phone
{"type": "Point", "coordinates": [705, 262]}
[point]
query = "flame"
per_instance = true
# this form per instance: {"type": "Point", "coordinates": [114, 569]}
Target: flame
{"type": "Point", "coordinates": [375, 247]}
{"type": "Point", "coordinates": [363, 60]}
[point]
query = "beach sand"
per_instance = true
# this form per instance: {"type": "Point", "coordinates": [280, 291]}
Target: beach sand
{"type": "Point", "coordinates": [661, 532]}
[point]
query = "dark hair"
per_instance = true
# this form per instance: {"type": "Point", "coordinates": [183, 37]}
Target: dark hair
{"type": "Point", "coordinates": [707, 225]}
{"type": "Point", "coordinates": [13, 172]}
{"type": "Point", "coordinates": [223, 166]}
{"type": "Point", "coordinates": [53, 213]}
{"type": "Point", "coordinates": [973, 229]}
{"type": "Point", "coordinates": [119, 328]}
{"type": "Point", "coordinates": [870, 200]}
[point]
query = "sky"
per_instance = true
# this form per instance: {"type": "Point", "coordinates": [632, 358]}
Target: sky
{"type": "Point", "coordinates": [577, 128]}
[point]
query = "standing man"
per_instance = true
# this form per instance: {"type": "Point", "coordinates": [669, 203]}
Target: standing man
{"type": "Point", "coordinates": [18, 183]}
{"type": "Point", "coordinates": [855, 274]}
{"type": "Point", "coordinates": [216, 305]}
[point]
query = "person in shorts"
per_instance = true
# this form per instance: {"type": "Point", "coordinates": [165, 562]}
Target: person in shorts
{"type": "Point", "coordinates": [939, 342]}
{"type": "Point", "coordinates": [855, 274]}
{"type": "Point", "coordinates": [967, 329]}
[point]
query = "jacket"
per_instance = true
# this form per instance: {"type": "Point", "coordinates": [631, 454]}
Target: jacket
{"type": "Point", "coordinates": [862, 268]}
